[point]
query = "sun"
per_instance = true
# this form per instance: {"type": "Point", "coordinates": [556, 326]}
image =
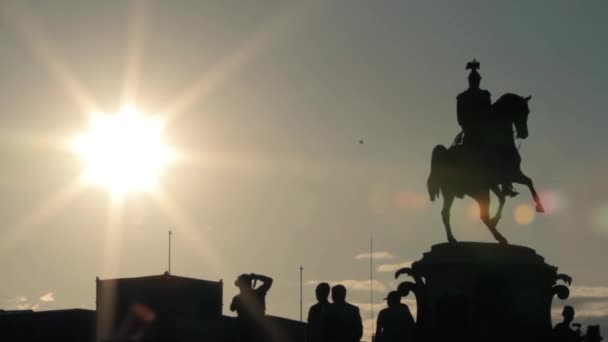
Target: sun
{"type": "Point", "coordinates": [124, 152]}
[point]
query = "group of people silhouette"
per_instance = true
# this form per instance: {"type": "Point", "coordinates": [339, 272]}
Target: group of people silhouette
{"type": "Point", "coordinates": [338, 321]}
{"type": "Point", "coordinates": [335, 321]}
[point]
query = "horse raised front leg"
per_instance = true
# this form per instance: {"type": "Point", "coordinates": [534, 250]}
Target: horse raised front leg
{"type": "Point", "coordinates": [483, 200]}
{"type": "Point", "coordinates": [501, 204]}
{"type": "Point", "coordinates": [527, 181]}
{"type": "Point", "coordinates": [448, 199]}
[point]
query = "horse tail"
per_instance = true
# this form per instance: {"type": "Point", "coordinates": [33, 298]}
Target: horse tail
{"type": "Point", "coordinates": [438, 159]}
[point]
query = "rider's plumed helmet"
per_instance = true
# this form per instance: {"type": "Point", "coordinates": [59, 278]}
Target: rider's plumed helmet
{"type": "Point", "coordinates": [474, 76]}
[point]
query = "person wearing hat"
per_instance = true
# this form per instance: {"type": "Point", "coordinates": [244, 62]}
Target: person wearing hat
{"type": "Point", "coordinates": [250, 306]}
{"type": "Point", "coordinates": [395, 323]}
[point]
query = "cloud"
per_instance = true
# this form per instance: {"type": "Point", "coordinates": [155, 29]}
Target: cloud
{"type": "Point", "coordinates": [23, 302]}
{"type": "Point", "coordinates": [367, 329]}
{"type": "Point", "coordinates": [411, 200]}
{"type": "Point", "coordinates": [589, 302]}
{"type": "Point", "coordinates": [393, 267]}
{"type": "Point", "coordinates": [593, 309]}
{"type": "Point", "coordinates": [18, 299]}
{"type": "Point", "coordinates": [589, 292]}
{"type": "Point", "coordinates": [584, 310]}
{"type": "Point", "coordinates": [366, 307]}
{"type": "Point", "coordinates": [361, 285]}
{"type": "Point", "coordinates": [19, 303]}
{"type": "Point", "coordinates": [48, 297]}
{"type": "Point", "coordinates": [380, 255]}
{"type": "Point", "coordinates": [355, 285]}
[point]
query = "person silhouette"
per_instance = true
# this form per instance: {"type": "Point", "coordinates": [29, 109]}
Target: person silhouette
{"type": "Point", "coordinates": [317, 315]}
{"type": "Point", "coordinates": [473, 109]}
{"type": "Point", "coordinates": [343, 319]}
{"type": "Point", "coordinates": [250, 306]}
{"type": "Point", "coordinates": [396, 322]}
{"type": "Point", "coordinates": [562, 330]}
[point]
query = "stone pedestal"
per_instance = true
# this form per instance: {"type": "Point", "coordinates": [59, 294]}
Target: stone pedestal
{"type": "Point", "coordinates": [484, 292]}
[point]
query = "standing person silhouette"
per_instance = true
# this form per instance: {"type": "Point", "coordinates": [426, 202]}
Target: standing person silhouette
{"type": "Point", "coordinates": [395, 323]}
{"type": "Point", "coordinates": [562, 331]}
{"type": "Point", "coordinates": [250, 306]}
{"type": "Point", "coordinates": [317, 315]}
{"type": "Point", "coordinates": [343, 319]}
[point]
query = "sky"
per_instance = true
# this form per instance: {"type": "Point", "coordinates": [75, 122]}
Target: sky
{"type": "Point", "coordinates": [270, 100]}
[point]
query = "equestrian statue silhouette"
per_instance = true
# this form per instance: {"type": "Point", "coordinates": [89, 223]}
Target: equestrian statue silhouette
{"type": "Point", "coordinates": [484, 156]}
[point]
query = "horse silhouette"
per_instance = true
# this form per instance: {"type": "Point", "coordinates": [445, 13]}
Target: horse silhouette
{"type": "Point", "coordinates": [476, 170]}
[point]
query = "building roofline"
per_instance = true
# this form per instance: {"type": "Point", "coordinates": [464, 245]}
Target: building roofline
{"type": "Point", "coordinates": [32, 312]}
{"type": "Point", "coordinates": [159, 276]}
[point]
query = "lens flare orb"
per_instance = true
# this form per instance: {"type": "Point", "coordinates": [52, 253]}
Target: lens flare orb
{"type": "Point", "coordinates": [524, 214]}
{"type": "Point", "coordinates": [554, 201]}
{"type": "Point", "coordinates": [599, 217]}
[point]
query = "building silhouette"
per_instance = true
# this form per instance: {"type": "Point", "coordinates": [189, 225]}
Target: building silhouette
{"type": "Point", "coordinates": [151, 308]}
{"type": "Point", "coordinates": [162, 306]}
{"type": "Point", "coordinates": [54, 325]}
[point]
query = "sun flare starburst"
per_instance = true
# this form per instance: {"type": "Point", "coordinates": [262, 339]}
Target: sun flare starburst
{"type": "Point", "coordinates": [124, 152]}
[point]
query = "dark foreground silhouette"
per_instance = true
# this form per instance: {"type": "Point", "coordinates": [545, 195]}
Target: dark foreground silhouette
{"type": "Point", "coordinates": [338, 321]}
{"type": "Point", "coordinates": [593, 334]}
{"type": "Point", "coordinates": [475, 292]}
{"type": "Point", "coordinates": [317, 315]}
{"type": "Point", "coordinates": [567, 331]}
{"type": "Point", "coordinates": [395, 323]}
{"type": "Point", "coordinates": [250, 306]}
{"type": "Point", "coordinates": [343, 319]}
{"type": "Point", "coordinates": [563, 331]}
{"type": "Point", "coordinates": [484, 156]}
{"type": "Point", "coordinates": [478, 292]}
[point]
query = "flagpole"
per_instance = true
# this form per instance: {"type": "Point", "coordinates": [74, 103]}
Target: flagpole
{"type": "Point", "coordinates": [169, 261]}
{"type": "Point", "coordinates": [371, 278]}
{"type": "Point", "coordinates": [301, 270]}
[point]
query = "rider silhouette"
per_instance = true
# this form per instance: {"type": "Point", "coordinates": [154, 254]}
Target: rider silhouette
{"type": "Point", "coordinates": [473, 108]}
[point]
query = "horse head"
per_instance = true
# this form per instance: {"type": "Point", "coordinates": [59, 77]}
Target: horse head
{"type": "Point", "coordinates": [516, 108]}
{"type": "Point", "coordinates": [520, 117]}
